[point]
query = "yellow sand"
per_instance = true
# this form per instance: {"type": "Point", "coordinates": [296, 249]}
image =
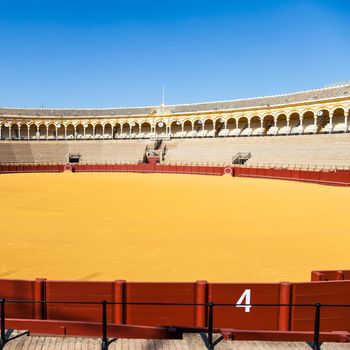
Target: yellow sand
{"type": "Point", "coordinates": [170, 227]}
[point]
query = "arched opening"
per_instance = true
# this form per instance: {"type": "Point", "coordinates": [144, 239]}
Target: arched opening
{"type": "Point", "coordinates": [24, 132]}
{"type": "Point", "coordinates": [282, 125]}
{"type": "Point", "coordinates": [310, 127]}
{"type": "Point", "coordinates": [98, 132]}
{"type": "Point", "coordinates": [269, 125]}
{"type": "Point", "coordinates": [146, 130]}
{"type": "Point", "coordinates": [160, 128]}
{"type": "Point", "coordinates": [52, 132]}
{"type": "Point", "coordinates": [242, 126]}
{"type": "Point", "coordinates": [89, 132]}
{"type": "Point", "coordinates": [209, 128]}
{"type": "Point", "coordinates": [176, 129]}
{"type": "Point", "coordinates": [187, 128]}
{"type": "Point", "coordinates": [108, 131]}
{"type": "Point", "coordinates": [117, 130]}
{"type": "Point", "coordinates": [70, 132]}
{"type": "Point", "coordinates": [338, 121]}
{"type": "Point", "coordinates": [220, 127]}
{"type": "Point", "coordinates": [295, 123]}
{"type": "Point", "coordinates": [33, 131]}
{"type": "Point", "coordinates": [197, 128]}
{"type": "Point", "coordinates": [61, 132]}
{"type": "Point", "coordinates": [79, 132]}
{"type": "Point", "coordinates": [231, 126]}
{"type": "Point", "coordinates": [126, 129]}
{"type": "Point", "coordinates": [135, 129]}
{"type": "Point", "coordinates": [255, 125]}
{"type": "Point", "coordinates": [323, 121]}
{"type": "Point", "coordinates": [42, 132]}
{"type": "Point", "coordinates": [5, 132]}
{"type": "Point", "coordinates": [14, 132]}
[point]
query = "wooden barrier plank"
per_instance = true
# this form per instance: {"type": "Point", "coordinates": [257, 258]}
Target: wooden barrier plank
{"type": "Point", "coordinates": [245, 317]}
{"type": "Point", "coordinates": [331, 292]}
{"type": "Point", "coordinates": [164, 292]}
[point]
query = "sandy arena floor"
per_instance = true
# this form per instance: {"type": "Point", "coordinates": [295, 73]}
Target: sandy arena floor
{"type": "Point", "coordinates": [106, 226]}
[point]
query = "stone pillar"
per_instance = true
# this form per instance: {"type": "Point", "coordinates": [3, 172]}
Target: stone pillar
{"type": "Point", "coordinates": [331, 122]}
{"type": "Point", "coordinates": [346, 116]}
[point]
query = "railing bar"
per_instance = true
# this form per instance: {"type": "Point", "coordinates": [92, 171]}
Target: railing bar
{"type": "Point", "coordinates": [167, 304]}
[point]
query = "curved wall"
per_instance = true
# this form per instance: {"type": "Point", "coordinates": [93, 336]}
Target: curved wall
{"type": "Point", "coordinates": [316, 111]}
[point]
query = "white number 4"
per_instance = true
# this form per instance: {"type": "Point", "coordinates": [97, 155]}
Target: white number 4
{"type": "Point", "coordinates": [245, 296]}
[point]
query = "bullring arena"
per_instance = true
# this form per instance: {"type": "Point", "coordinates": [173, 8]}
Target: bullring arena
{"type": "Point", "coordinates": [92, 199]}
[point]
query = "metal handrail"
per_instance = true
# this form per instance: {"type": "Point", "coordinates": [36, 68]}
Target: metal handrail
{"type": "Point", "coordinates": [208, 337]}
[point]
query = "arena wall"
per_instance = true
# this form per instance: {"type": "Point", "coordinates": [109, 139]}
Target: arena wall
{"type": "Point", "coordinates": [241, 312]}
{"type": "Point", "coordinates": [326, 177]}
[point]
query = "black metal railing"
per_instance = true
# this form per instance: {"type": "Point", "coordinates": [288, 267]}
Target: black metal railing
{"type": "Point", "coordinates": [206, 332]}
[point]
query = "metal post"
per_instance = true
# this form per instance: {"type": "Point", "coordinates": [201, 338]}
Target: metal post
{"type": "Point", "coordinates": [2, 315]}
{"type": "Point", "coordinates": [104, 344]}
{"type": "Point", "coordinates": [210, 326]}
{"type": "Point", "coordinates": [316, 345]}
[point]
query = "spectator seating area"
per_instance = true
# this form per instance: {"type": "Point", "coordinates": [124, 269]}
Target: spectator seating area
{"type": "Point", "coordinates": [327, 150]}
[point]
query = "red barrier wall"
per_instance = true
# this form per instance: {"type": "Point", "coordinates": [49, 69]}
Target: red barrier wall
{"type": "Point", "coordinates": [30, 168]}
{"type": "Point", "coordinates": [333, 318]}
{"type": "Point", "coordinates": [153, 168]}
{"type": "Point", "coordinates": [272, 318]}
{"type": "Point", "coordinates": [336, 177]}
{"type": "Point", "coordinates": [330, 275]}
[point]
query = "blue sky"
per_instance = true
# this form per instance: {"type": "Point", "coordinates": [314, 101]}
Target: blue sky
{"type": "Point", "coordinates": [104, 53]}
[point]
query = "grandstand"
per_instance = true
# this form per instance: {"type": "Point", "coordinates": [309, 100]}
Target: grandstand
{"type": "Point", "coordinates": [304, 128]}
{"type": "Point", "coordinates": [324, 150]}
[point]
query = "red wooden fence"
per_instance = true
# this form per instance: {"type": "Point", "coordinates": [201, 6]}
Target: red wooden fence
{"type": "Point", "coordinates": [273, 318]}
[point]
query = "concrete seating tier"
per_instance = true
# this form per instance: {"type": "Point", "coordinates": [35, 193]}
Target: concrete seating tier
{"type": "Point", "coordinates": [129, 151]}
{"type": "Point", "coordinates": [322, 150]}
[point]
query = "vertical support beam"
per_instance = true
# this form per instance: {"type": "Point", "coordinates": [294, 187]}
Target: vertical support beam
{"type": "Point", "coordinates": [331, 122]}
{"type": "Point", "coordinates": [339, 275]}
{"type": "Point", "coordinates": [40, 295]}
{"type": "Point", "coordinates": [316, 344]}
{"type": "Point", "coordinates": [285, 298]}
{"type": "Point", "coordinates": [2, 323]}
{"type": "Point", "coordinates": [346, 116]}
{"type": "Point", "coordinates": [318, 276]}
{"type": "Point", "coordinates": [201, 298]}
{"type": "Point", "coordinates": [104, 340]}
{"type": "Point", "coordinates": [119, 297]}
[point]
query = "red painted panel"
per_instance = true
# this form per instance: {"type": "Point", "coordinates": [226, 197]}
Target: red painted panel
{"type": "Point", "coordinates": [330, 275]}
{"type": "Point", "coordinates": [18, 290]}
{"type": "Point", "coordinates": [340, 176]}
{"type": "Point", "coordinates": [333, 319]}
{"type": "Point", "coordinates": [236, 317]}
{"type": "Point", "coordinates": [75, 291]}
{"type": "Point", "coordinates": [161, 292]}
